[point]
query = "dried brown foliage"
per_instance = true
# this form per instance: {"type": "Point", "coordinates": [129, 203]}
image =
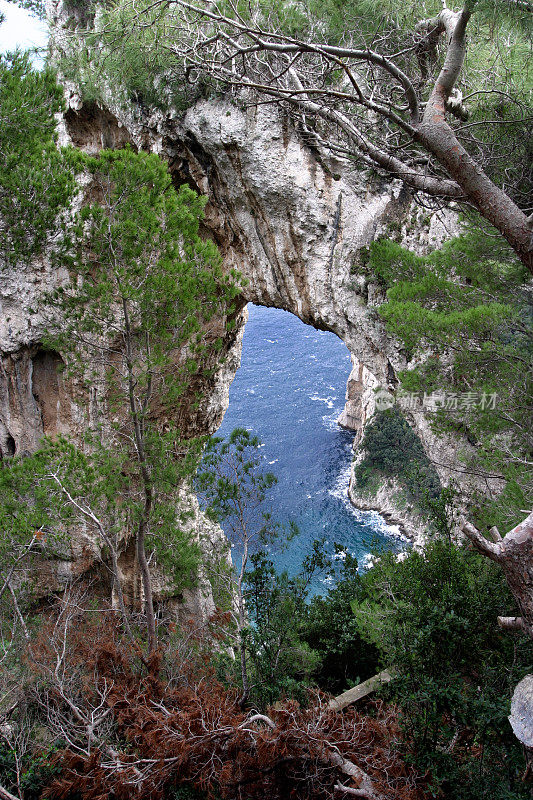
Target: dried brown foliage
{"type": "Point", "coordinates": [138, 732]}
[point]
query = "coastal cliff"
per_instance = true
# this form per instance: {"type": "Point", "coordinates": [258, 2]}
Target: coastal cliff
{"type": "Point", "coordinates": [292, 219]}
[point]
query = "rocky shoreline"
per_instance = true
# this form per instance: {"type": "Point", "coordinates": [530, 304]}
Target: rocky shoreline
{"type": "Point", "coordinates": [386, 502]}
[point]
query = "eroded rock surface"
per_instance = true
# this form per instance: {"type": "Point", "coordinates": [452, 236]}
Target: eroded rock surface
{"type": "Point", "coordinates": [294, 223]}
{"type": "Point", "coordinates": [292, 220]}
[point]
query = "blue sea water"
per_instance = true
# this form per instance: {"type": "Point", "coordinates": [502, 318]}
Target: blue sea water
{"type": "Point", "coordinates": [289, 391]}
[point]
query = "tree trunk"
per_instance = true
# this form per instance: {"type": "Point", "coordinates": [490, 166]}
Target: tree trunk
{"type": "Point", "coordinates": [514, 554]}
{"type": "Point", "coordinates": [491, 202]}
{"type": "Point", "coordinates": [438, 138]}
{"type": "Point", "coordinates": [117, 585]}
{"type": "Point", "coordinates": [145, 574]}
{"type": "Point", "coordinates": [147, 485]}
{"type": "Point", "coordinates": [242, 626]}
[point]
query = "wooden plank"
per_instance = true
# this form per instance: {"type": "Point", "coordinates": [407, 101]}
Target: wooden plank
{"type": "Point", "coordinates": [361, 690]}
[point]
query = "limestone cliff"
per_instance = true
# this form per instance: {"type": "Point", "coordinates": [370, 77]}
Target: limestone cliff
{"type": "Point", "coordinates": [291, 219]}
{"type": "Point", "coordinates": [38, 398]}
{"type": "Point", "coordinates": [293, 223]}
{"type": "Point", "coordinates": [391, 503]}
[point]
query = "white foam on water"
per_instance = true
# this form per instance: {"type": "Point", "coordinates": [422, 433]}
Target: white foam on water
{"type": "Point", "coordinates": [329, 400]}
{"type": "Point", "coordinates": [330, 420]}
{"type": "Point", "coordinates": [366, 562]}
{"type": "Point", "coordinates": [340, 556]}
{"type": "Point", "coordinates": [370, 519]}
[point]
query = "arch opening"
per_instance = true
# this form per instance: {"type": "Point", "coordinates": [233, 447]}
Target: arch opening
{"type": "Point", "coordinates": [290, 392]}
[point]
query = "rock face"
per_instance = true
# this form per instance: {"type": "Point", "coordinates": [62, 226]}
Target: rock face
{"type": "Point", "coordinates": [390, 502]}
{"type": "Point", "coordinates": [38, 399]}
{"type": "Point", "coordinates": [276, 212]}
{"type": "Point", "coordinates": [291, 219]}
{"type": "Point", "coordinates": [294, 223]}
{"type": "Point", "coordinates": [360, 399]}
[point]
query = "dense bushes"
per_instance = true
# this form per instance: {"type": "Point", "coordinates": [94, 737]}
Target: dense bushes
{"type": "Point", "coordinates": [433, 616]}
{"type": "Point", "coordinates": [330, 628]}
{"type": "Point", "coordinates": [163, 727]}
{"type": "Point", "coordinates": [179, 716]}
{"type": "Point", "coordinates": [176, 729]}
{"type": "Point", "coordinates": [393, 450]}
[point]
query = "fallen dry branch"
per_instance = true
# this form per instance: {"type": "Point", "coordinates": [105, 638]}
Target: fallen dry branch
{"type": "Point", "coordinates": [193, 732]}
{"type": "Point", "coordinates": [361, 690]}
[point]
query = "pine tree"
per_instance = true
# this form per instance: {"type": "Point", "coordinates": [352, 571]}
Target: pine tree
{"type": "Point", "coordinates": [37, 180]}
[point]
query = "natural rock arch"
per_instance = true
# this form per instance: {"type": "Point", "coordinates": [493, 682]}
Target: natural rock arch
{"type": "Point", "coordinates": [293, 224]}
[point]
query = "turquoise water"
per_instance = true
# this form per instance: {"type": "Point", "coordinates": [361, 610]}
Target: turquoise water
{"type": "Point", "coordinates": [289, 391]}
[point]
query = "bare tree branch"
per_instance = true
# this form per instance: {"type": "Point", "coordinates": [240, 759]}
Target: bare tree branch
{"type": "Point", "coordinates": [368, 103]}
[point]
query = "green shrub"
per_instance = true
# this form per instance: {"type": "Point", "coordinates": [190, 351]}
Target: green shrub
{"type": "Point", "coordinates": [393, 450]}
{"type": "Point", "coordinates": [433, 616]}
{"type": "Point", "coordinates": [331, 630]}
{"type": "Point", "coordinates": [37, 769]}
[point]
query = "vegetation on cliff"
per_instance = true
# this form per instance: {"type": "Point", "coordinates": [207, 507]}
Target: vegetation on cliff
{"type": "Point", "coordinates": [463, 314]}
{"type": "Point", "coordinates": [393, 450]}
{"type": "Point", "coordinates": [37, 180]}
